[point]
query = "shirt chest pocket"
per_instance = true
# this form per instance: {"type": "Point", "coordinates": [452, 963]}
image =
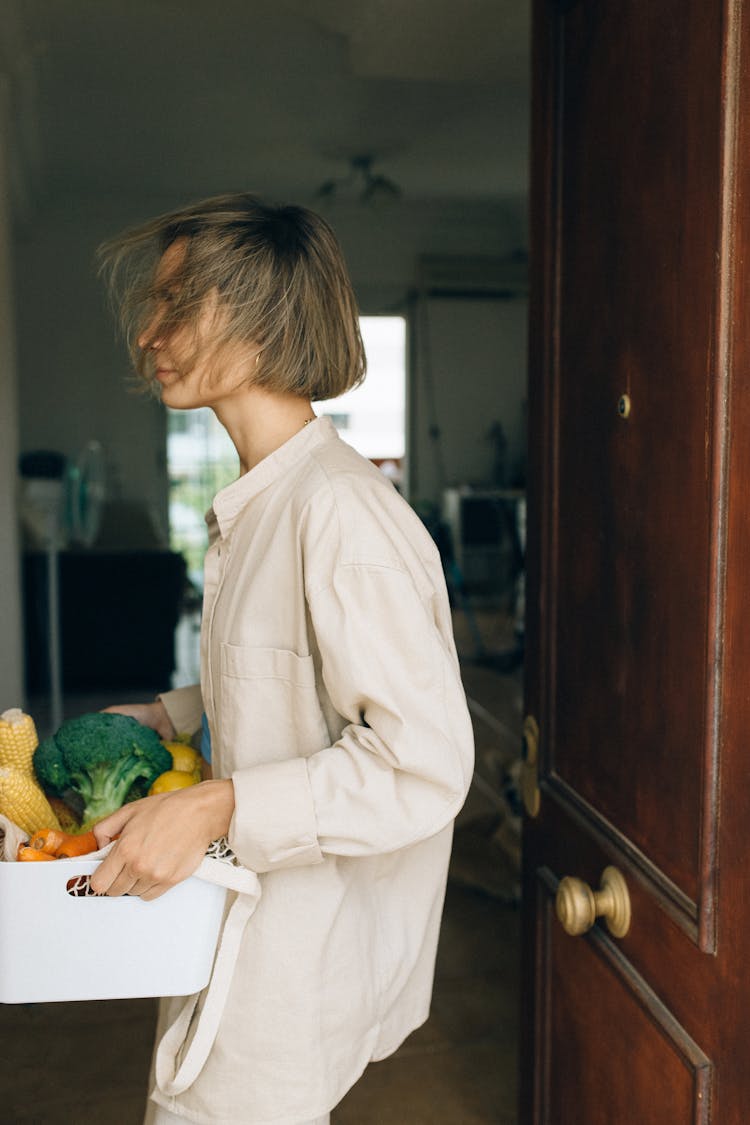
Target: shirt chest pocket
{"type": "Point", "coordinates": [267, 708]}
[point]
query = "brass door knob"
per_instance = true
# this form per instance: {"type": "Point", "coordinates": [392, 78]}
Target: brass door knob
{"type": "Point", "coordinates": [578, 906]}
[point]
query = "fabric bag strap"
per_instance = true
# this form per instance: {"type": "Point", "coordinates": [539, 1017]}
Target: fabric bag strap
{"type": "Point", "coordinates": [172, 1078]}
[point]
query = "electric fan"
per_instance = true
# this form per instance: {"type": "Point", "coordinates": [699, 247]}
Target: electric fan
{"type": "Point", "coordinates": [63, 503]}
{"type": "Point", "coordinates": [85, 494]}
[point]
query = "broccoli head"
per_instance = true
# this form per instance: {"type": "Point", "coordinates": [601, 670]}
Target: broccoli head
{"type": "Point", "coordinates": [99, 757]}
{"type": "Point", "coordinates": [50, 768]}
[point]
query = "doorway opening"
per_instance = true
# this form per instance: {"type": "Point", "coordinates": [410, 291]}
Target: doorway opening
{"type": "Point", "coordinates": [372, 418]}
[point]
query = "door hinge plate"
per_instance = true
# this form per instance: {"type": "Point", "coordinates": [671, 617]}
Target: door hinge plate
{"type": "Point", "coordinates": [530, 767]}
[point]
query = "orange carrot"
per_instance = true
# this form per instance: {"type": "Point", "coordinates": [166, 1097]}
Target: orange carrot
{"type": "Point", "coordinates": [77, 845]}
{"type": "Point", "coordinates": [32, 855]}
{"type": "Point", "coordinates": [63, 845]}
{"type": "Point", "coordinates": [48, 840]}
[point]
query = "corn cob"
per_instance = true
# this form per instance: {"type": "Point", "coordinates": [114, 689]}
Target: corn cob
{"type": "Point", "coordinates": [18, 739]}
{"type": "Point", "coordinates": [21, 797]}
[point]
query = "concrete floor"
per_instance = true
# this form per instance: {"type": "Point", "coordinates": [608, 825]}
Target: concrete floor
{"type": "Point", "coordinates": [86, 1063]}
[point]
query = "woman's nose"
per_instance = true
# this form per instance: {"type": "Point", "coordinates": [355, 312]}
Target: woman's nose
{"type": "Point", "coordinates": [149, 337]}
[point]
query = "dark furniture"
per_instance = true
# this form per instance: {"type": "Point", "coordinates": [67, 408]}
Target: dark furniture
{"type": "Point", "coordinates": [118, 612]}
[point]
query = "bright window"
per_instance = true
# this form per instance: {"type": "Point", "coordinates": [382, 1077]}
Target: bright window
{"type": "Point", "coordinates": [201, 459]}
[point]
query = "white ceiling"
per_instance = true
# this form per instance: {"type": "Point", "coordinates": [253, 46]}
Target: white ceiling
{"type": "Point", "coordinates": [180, 99]}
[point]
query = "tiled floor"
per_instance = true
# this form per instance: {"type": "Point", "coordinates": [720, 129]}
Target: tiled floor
{"type": "Point", "coordinates": [86, 1063]}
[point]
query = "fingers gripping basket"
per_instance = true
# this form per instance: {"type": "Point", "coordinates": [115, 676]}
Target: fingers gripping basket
{"type": "Point", "coordinates": [60, 941]}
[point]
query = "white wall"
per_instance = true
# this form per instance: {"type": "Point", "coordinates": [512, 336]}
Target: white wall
{"type": "Point", "coordinates": [74, 375]}
{"type": "Point", "coordinates": [11, 652]}
{"type": "Point", "coordinates": [382, 247]}
{"type": "Point", "coordinates": [469, 374]}
{"type": "Point", "coordinates": [473, 351]}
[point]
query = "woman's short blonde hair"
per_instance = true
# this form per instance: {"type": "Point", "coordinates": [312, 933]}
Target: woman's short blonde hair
{"type": "Point", "coordinates": [281, 282]}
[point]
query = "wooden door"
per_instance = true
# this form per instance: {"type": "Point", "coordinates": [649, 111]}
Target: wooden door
{"type": "Point", "coordinates": [639, 561]}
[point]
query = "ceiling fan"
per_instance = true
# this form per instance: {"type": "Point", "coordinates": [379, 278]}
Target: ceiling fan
{"type": "Point", "coordinates": [361, 185]}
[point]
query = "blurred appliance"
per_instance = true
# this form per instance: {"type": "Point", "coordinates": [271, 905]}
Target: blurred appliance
{"type": "Point", "coordinates": [61, 501]}
{"type": "Point", "coordinates": [487, 528]}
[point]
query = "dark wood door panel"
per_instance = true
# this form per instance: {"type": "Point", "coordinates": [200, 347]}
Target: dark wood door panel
{"type": "Point", "coordinates": [634, 480]}
{"type": "Point", "coordinates": [614, 1052]}
{"type": "Point", "coordinates": [655, 945]}
{"type": "Point", "coordinates": [639, 538]}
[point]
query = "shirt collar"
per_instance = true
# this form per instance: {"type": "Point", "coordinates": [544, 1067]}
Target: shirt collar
{"type": "Point", "coordinates": [229, 502]}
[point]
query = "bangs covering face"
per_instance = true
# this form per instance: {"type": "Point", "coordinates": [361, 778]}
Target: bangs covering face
{"type": "Point", "coordinates": [279, 277]}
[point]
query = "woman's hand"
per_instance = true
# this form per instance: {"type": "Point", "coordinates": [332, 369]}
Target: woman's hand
{"type": "Point", "coordinates": [161, 840]}
{"type": "Point", "coordinates": [152, 715]}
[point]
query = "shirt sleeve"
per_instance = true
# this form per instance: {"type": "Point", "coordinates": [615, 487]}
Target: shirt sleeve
{"type": "Point", "coordinates": [402, 767]}
{"type": "Point", "coordinates": [184, 707]}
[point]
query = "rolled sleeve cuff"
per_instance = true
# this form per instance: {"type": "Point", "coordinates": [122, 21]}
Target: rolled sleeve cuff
{"type": "Point", "coordinates": [184, 707]}
{"type": "Point", "coordinates": [274, 824]}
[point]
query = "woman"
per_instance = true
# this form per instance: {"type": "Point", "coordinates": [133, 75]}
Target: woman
{"type": "Point", "coordinates": [341, 743]}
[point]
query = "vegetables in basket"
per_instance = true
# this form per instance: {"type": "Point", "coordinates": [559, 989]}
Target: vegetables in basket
{"type": "Point", "coordinates": [70, 820]}
{"type": "Point", "coordinates": [63, 845]}
{"type": "Point", "coordinates": [27, 854]}
{"type": "Point", "coordinates": [21, 797]}
{"type": "Point", "coordinates": [185, 771]}
{"type": "Point", "coordinates": [173, 779]}
{"type": "Point", "coordinates": [104, 759]}
{"type": "Point", "coordinates": [184, 758]}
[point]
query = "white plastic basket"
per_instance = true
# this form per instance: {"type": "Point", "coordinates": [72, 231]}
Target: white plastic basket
{"type": "Point", "coordinates": [57, 946]}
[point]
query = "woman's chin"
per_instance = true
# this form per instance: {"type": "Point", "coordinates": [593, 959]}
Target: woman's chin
{"type": "Point", "coordinates": [176, 396]}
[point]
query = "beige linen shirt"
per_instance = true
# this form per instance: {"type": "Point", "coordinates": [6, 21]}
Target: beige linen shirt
{"type": "Point", "coordinates": [333, 695]}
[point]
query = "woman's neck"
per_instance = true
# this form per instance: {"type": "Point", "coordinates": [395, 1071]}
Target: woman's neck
{"type": "Point", "coordinates": [259, 421]}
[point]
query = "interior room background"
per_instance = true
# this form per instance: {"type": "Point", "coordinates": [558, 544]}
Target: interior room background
{"type": "Point", "coordinates": [107, 118]}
